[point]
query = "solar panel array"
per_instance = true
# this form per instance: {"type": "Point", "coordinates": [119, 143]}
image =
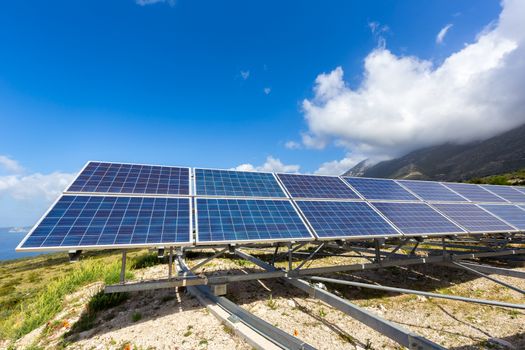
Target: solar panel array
{"type": "Point", "coordinates": [112, 205]}
{"type": "Point", "coordinates": [380, 189]}
{"type": "Point", "coordinates": [312, 186]}
{"type": "Point", "coordinates": [132, 178]}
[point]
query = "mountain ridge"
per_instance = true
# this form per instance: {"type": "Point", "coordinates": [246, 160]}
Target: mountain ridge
{"type": "Point", "coordinates": [453, 162]}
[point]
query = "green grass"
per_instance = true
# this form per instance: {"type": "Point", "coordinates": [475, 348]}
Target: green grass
{"type": "Point", "coordinates": [41, 285]}
{"type": "Point", "coordinates": [514, 178]}
{"type": "Point", "coordinates": [137, 316]}
{"type": "Point", "coordinates": [145, 260]}
{"type": "Point", "coordinates": [98, 302]}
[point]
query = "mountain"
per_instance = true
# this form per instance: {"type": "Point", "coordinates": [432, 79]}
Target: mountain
{"type": "Point", "coordinates": [452, 162]}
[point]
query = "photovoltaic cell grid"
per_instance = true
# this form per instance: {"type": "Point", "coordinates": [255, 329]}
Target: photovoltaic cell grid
{"type": "Point", "coordinates": [86, 221]}
{"type": "Point", "coordinates": [312, 186]}
{"type": "Point", "coordinates": [474, 193]}
{"type": "Point", "coordinates": [132, 179]}
{"type": "Point", "coordinates": [507, 192]}
{"type": "Point", "coordinates": [416, 218]}
{"type": "Point", "coordinates": [344, 219]}
{"type": "Point", "coordinates": [231, 220]}
{"type": "Point", "coordinates": [432, 191]}
{"type": "Point", "coordinates": [380, 189]}
{"type": "Point", "coordinates": [473, 218]}
{"type": "Point", "coordinates": [236, 184]}
{"type": "Point", "coordinates": [508, 212]}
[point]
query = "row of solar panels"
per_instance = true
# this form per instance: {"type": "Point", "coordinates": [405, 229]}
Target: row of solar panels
{"type": "Point", "coordinates": [109, 178]}
{"type": "Point", "coordinates": [122, 205]}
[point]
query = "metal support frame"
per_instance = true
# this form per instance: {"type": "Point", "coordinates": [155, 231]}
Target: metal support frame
{"type": "Point", "coordinates": [310, 257]}
{"type": "Point", "coordinates": [170, 267]}
{"type": "Point", "coordinates": [207, 260]}
{"type": "Point", "coordinates": [492, 270]}
{"type": "Point", "coordinates": [416, 292]}
{"type": "Point", "coordinates": [123, 268]}
{"type": "Point", "coordinates": [389, 329]}
{"type": "Point", "coordinates": [270, 332]}
{"type": "Point", "coordinates": [476, 272]}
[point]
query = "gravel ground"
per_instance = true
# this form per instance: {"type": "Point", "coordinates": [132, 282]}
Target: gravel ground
{"type": "Point", "coordinates": [170, 319]}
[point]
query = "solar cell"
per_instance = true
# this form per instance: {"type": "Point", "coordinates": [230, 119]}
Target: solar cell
{"type": "Point", "coordinates": [431, 191]}
{"type": "Point", "coordinates": [384, 189]}
{"type": "Point", "coordinates": [474, 193]}
{"type": "Point", "coordinates": [521, 189]}
{"type": "Point", "coordinates": [473, 218]}
{"type": "Point", "coordinates": [100, 221]}
{"type": "Point", "coordinates": [231, 183]}
{"type": "Point", "coordinates": [339, 219]}
{"type": "Point", "coordinates": [244, 220]}
{"type": "Point", "coordinates": [313, 186]}
{"type": "Point", "coordinates": [507, 192]}
{"type": "Point", "coordinates": [416, 218]}
{"type": "Point", "coordinates": [100, 177]}
{"type": "Point", "coordinates": [508, 212]}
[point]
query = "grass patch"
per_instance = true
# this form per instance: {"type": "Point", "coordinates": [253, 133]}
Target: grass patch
{"type": "Point", "coordinates": [98, 302]}
{"type": "Point", "coordinates": [145, 260]}
{"type": "Point", "coordinates": [137, 316]}
{"type": "Point", "coordinates": [271, 303]}
{"type": "Point", "coordinates": [40, 302]}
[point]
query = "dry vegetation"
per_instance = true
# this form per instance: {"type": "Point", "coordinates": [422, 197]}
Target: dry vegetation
{"type": "Point", "coordinates": [78, 316]}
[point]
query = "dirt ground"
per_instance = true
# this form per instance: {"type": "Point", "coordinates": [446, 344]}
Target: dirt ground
{"type": "Point", "coordinates": [171, 319]}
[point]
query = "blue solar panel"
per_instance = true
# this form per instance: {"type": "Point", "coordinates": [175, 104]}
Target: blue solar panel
{"type": "Point", "coordinates": [95, 221]}
{"type": "Point", "coordinates": [379, 189]}
{"type": "Point", "coordinates": [345, 219]}
{"type": "Point", "coordinates": [236, 184]}
{"type": "Point", "coordinates": [474, 193]}
{"type": "Point", "coordinates": [508, 212]}
{"type": "Point", "coordinates": [417, 218]}
{"type": "Point", "coordinates": [312, 186]}
{"type": "Point", "coordinates": [132, 178]}
{"type": "Point", "coordinates": [507, 192]}
{"type": "Point", "coordinates": [240, 220]}
{"type": "Point", "coordinates": [473, 218]}
{"type": "Point", "coordinates": [521, 189]}
{"type": "Point", "coordinates": [432, 191]}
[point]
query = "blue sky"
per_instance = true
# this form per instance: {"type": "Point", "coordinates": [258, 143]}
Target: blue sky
{"type": "Point", "coordinates": [197, 83]}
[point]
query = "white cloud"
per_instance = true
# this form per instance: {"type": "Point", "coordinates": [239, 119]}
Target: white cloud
{"type": "Point", "coordinates": [271, 165]}
{"type": "Point", "coordinates": [404, 103]}
{"type": "Point", "coordinates": [267, 90]}
{"type": "Point", "coordinates": [24, 197]}
{"type": "Point", "coordinates": [292, 145]}
{"type": "Point", "coordinates": [442, 33]}
{"type": "Point", "coordinates": [245, 74]}
{"type": "Point", "coordinates": [152, 2]}
{"type": "Point", "coordinates": [10, 166]}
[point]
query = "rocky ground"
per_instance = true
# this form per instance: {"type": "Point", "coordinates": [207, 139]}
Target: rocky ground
{"type": "Point", "coordinates": [170, 319]}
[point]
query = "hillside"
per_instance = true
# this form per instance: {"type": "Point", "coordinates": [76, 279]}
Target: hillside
{"type": "Point", "coordinates": [504, 153]}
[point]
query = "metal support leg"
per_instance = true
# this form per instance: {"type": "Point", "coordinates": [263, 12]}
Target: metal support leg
{"type": "Point", "coordinates": [275, 255]}
{"type": "Point", "coordinates": [290, 257]}
{"type": "Point", "coordinates": [170, 267]}
{"type": "Point", "coordinates": [413, 251]}
{"type": "Point", "coordinates": [444, 246]}
{"type": "Point", "coordinates": [207, 260]}
{"type": "Point", "coordinates": [377, 251]}
{"type": "Point", "coordinates": [317, 250]}
{"type": "Point", "coordinates": [123, 268]}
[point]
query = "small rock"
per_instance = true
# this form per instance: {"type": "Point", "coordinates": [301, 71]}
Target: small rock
{"type": "Point", "coordinates": [422, 298]}
{"type": "Point", "coordinates": [382, 307]}
{"type": "Point", "coordinates": [291, 303]}
{"type": "Point", "coordinates": [320, 285]}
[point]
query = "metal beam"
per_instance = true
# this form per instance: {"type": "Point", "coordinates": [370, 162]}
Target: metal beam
{"type": "Point", "coordinates": [272, 333]}
{"type": "Point", "coordinates": [476, 272]}
{"type": "Point", "coordinates": [207, 260]}
{"type": "Point", "coordinates": [416, 292]}
{"type": "Point", "coordinates": [389, 329]}
{"type": "Point", "coordinates": [492, 269]}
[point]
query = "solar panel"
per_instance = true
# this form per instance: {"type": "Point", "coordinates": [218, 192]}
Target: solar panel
{"type": "Point", "coordinates": [473, 218]}
{"type": "Point", "coordinates": [100, 177]}
{"type": "Point", "coordinates": [521, 189]}
{"type": "Point", "coordinates": [339, 219]}
{"type": "Point", "coordinates": [431, 191]}
{"type": "Point", "coordinates": [507, 192]}
{"type": "Point", "coordinates": [245, 220]}
{"type": "Point", "coordinates": [382, 189]}
{"type": "Point", "coordinates": [508, 212]}
{"type": "Point", "coordinates": [107, 221]}
{"type": "Point", "coordinates": [474, 193]}
{"type": "Point", "coordinates": [416, 218]}
{"type": "Point", "coordinates": [229, 183]}
{"type": "Point", "coordinates": [313, 186]}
